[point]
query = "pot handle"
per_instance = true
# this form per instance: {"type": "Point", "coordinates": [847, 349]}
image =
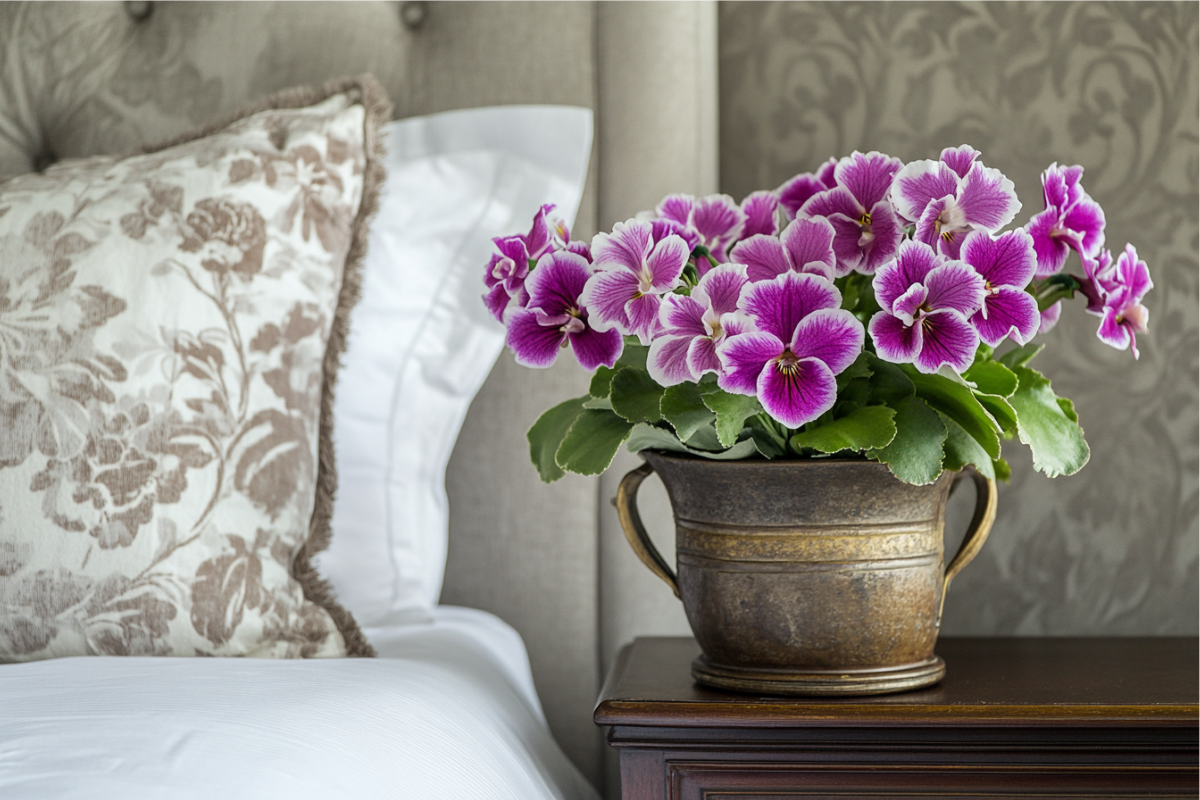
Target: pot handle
{"type": "Point", "coordinates": [631, 523]}
{"type": "Point", "coordinates": [977, 531]}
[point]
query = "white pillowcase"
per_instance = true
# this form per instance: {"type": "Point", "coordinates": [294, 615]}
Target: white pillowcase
{"type": "Point", "coordinates": [421, 342]}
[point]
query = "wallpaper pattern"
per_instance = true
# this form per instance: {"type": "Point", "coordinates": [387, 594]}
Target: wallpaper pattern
{"type": "Point", "coordinates": [1109, 86]}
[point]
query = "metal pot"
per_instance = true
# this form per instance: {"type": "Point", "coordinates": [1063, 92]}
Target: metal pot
{"type": "Point", "coordinates": [814, 577]}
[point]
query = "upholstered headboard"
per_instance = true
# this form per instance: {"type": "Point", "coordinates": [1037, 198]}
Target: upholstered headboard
{"type": "Point", "coordinates": [79, 79]}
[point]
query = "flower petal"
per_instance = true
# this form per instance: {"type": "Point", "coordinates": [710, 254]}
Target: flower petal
{"type": "Point", "coordinates": [867, 177]}
{"type": "Point", "coordinates": [795, 193]}
{"type": "Point", "coordinates": [681, 315]}
{"type": "Point", "coordinates": [677, 207]}
{"type": "Point", "coordinates": [555, 284]}
{"type": "Point", "coordinates": [847, 252]}
{"type": "Point", "coordinates": [666, 262]}
{"type": "Point", "coordinates": [959, 158]}
{"type": "Point", "coordinates": [947, 338]}
{"type": "Point", "coordinates": [662, 228]}
{"type": "Point", "coordinates": [1007, 260]}
{"type": "Point", "coordinates": [596, 348]}
{"type": "Point", "coordinates": [833, 336]}
{"type": "Point", "coordinates": [894, 341]}
{"type": "Point", "coordinates": [743, 358]}
{"type": "Point", "coordinates": [496, 299]}
{"type": "Point", "coordinates": [667, 361]}
{"type": "Point", "coordinates": [1132, 274]}
{"type": "Point", "coordinates": [908, 304]}
{"type": "Point", "coordinates": [797, 394]}
{"type": "Point", "coordinates": [930, 225]}
{"type": "Point", "coordinates": [625, 248]}
{"type": "Point", "coordinates": [721, 287]}
{"type": "Point", "coordinates": [956, 286]}
{"type": "Point", "coordinates": [806, 241]}
{"type": "Point", "coordinates": [533, 344]}
{"type": "Point", "coordinates": [886, 235]}
{"type": "Point", "coordinates": [987, 198]}
{"type": "Point", "coordinates": [1011, 313]}
{"type": "Point", "coordinates": [914, 261]}
{"type": "Point", "coordinates": [778, 305]}
{"type": "Point", "coordinates": [1113, 333]}
{"type": "Point", "coordinates": [1051, 250]}
{"type": "Point", "coordinates": [832, 201]}
{"type": "Point", "coordinates": [1086, 218]}
{"type": "Point", "coordinates": [759, 209]}
{"type": "Point", "coordinates": [1049, 318]}
{"type": "Point", "coordinates": [919, 183]}
{"type": "Point", "coordinates": [717, 218]}
{"type": "Point", "coordinates": [642, 312]}
{"type": "Point", "coordinates": [605, 295]}
{"type": "Point", "coordinates": [702, 356]}
{"type": "Point", "coordinates": [763, 256]}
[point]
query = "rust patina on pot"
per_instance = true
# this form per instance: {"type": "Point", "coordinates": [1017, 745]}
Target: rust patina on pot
{"type": "Point", "coordinates": [820, 577]}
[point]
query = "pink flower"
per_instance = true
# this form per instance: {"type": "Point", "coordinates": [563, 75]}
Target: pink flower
{"type": "Point", "coordinates": [556, 317]}
{"type": "Point", "coordinates": [505, 276]}
{"type": "Point", "coordinates": [795, 192]}
{"type": "Point", "coordinates": [1124, 315]}
{"type": "Point", "coordinates": [1006, 265]}
{"type": "Point", "coordinates": [866, 230]}
{"type": "Point", "coordinates": [927, 302]}
{"type": "Point", "coordinates": [716, 219]}
{"type": "Point", "coordinates": [1071, 220]}
{"type": "Point", "coordinates": [948, 199]}
{"type": "Point", "coordinates": [633, 272]}
{"type": "Point", "coordinates": [694, 325]}
{"type": "Point", "coordinates": [806, 245]}
{"type": "Point", "coordinates": [797, 340]}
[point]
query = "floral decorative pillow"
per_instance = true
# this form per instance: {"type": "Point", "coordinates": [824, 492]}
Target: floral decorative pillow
{"type": "Point", "coordinates": [170, 325]}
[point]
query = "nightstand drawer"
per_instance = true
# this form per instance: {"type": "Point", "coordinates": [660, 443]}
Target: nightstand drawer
{"type": "Point", "coordinates": [707, 780]}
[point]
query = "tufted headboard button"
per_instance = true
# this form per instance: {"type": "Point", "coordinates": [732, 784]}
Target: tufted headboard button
{"type": "Point", "coordinates": [413, 13]}
{"type": "Point", "coordinates": [139, 10]}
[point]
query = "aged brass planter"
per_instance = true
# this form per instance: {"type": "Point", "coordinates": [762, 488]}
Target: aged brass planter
{"type": "Point", "coordinates": [817, 577]}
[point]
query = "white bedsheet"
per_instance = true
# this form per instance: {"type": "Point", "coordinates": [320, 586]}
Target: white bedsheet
{"type": "Point", "coordinates": [448, 710]}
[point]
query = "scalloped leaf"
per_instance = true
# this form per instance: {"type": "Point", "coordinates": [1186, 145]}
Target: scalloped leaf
{"type": "Point", "coordinates": [636, 396]}
{"type": "Point", "coordinates": [915, 454]}
{"type": "Point", "coordinates": [867, 428]}
{"type": "Point", "coordinates": [683, 407]}
{"type": "Point", "coordinates": [1049, 425]}
{"type": "Point", "coordinates": [547, 434]}
{"type": "Point", "coordinates": [732, 411]}
{"type": "Point", "coordinates": [649, 437]}
{"type": "Point", "coordinates": [592, 442]}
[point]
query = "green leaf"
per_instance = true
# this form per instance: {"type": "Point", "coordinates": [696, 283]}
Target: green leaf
{"type": "Point", "coordinates": [1002, 469]}
{"type": "Point", "coordinates": [706, 439]}
{"type": "Point", "coordinates": [915, 455]}
{"type": "Point", "coordinates": [868, 428]}
{"type": "Point", "coordinates": [683, 407]}
{"type": "Point", "coordinates": [636, 396]}
{"type": "Point", "coordinates": [547, 435]}
{"type": "Point", "coordinates": [601, 383]}
{"type": "Point", "coordinates": [962, 449]}
{"type": "Point", "coordinates": [889, 384]}
{"type": "Point", "coordinates": [634, 354]}
{"type": "Point", "coordinates": [958, 402]}
{"type": "Point", "coordinates": [732, 411]}
{"type": "Point", "coordinates": [1000, 409]}
{"type": "Point", "coordinates": [991, 377]}
{"type": "Point", "coordinates": [602, 403]}
{"type": "Point", "coordinates": [1048, 425]}
{"type": "Point", "coordinates": [1020, 356]}
{"type": "Point", "coordinates": [766, 437]}
{"type": "Point", "coordinates": [592, 442]}
{"type": "Point", "coordinates": [861, 368]}
{"type": "Point", "coordinates": [648, 437]}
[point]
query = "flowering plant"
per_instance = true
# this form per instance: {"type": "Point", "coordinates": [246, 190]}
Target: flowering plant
{"type": "Point", "coordinates": [859, 309]}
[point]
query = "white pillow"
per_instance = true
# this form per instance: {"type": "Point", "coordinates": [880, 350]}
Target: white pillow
{"type": "Point", "coordinates": [421, 342]}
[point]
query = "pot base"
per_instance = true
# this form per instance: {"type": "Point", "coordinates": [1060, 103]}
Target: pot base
{"type": "Point", "coordinates": [837, 683]}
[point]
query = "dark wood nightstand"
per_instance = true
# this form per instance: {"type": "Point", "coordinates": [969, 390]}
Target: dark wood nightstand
{"type": "Point", "coordinates": [1014, 717]}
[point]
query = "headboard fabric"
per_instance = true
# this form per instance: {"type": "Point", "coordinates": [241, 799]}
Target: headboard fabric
{"type": "Point", "coordinates": [80, 79]}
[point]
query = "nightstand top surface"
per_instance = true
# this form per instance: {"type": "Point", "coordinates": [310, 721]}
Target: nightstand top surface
{"type": "Point", "coordinates": [1012, 680]}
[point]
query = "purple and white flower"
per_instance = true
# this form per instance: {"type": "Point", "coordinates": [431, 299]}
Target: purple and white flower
{"type": "Point", "coordinates": [806, 245]}
{"type": "Point", "coordinates": [948, 199]}
{"type": "Point", "coordinates": [633, 272]}
{"type": "Point", "coordinates": [799, 339]}
{"type": "Point", "coordinates": [716, 219]}
{"type": "Point", "coordinates": [1071, 220]}
{"type": "Point", "coordinates": [1124, 315]}
{"type": "Point", "coordinates": [867, 231]}
{"type": "Point", "coordinates": [1006, 264]}
{"type": "Point", "coordinates": [927, 302]}
{"type": "Point", "coordinates": [555, 316]}
{"type": "Point", "coordinates": [548, 232]}
{"type": "Point", "coordinates": [761, 210]}
{"type": "Point", "coordinates": [795, 192]}
{"type": "Point", "coordinates": [505, 276]}
{"type": "Point", "coordinates": [694, 325]}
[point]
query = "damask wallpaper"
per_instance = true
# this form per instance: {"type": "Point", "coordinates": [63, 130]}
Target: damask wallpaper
{"type": "Point", "coordinates": [1109, 86]}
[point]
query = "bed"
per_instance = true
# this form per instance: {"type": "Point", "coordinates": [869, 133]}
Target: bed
{"type": "Point", "coordinates": [107, 78]}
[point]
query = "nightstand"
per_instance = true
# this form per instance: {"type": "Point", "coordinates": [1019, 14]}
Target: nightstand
{"type": "Point", "coordinates": [1014, 717]}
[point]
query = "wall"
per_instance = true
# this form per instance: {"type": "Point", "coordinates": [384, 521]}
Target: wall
{"type": "Point", "coordinates": [1113, 87]}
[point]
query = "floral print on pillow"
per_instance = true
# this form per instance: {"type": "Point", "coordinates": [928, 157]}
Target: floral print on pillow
{"type": "Point", "coordinates": [164, 322]}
